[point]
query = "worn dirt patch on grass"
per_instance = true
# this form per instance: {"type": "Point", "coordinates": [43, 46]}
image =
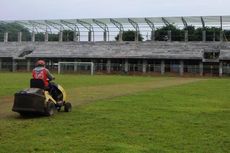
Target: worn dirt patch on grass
{"type": "Point", "coordinates": [83, 95]}
{"type": "Point", "coordinates": [5, 106]}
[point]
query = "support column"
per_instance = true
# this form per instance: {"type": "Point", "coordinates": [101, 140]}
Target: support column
{"type": "Point", "coordinates": [204, 36]}
{"type": "Point", "coordinates": [14, 65]}
{"type": "Point", "coordinates": [186, 35]}
{"type": "Point", "coordinates": [90, 36]}
{"type": "Point", "coordinates": [139, 65]}
{"type": "Point", "coordinates": [162, 67]}
{"type": "Point", "coordinates": [33, 37]}
{"type": "Point", "coordinates": [120, 36]}
{"type": "Point", "coordinates": [153, 35]}
{"type": "Point", "coordinates": [60, 36]}
{"type": "Point", "coordinates": [108, 66]}
{"type": "Point", "coordinates": [28, 65]}
{"type": "Point", "coordinates": [6, 37]}
{"type": "Point", "coordinates": [0, 64]}
{"type": "Point", "coordinates": [201, 68]}
{"type": "Point", "coordinates": [181, 67]}
{"type": "Point", "coordinates": [46, 37]}
{"type": "Point", "coordinates": [169, 35]}
{"type": "Point", "coordinates": [221, 36]}
{"type": "Point", "coordinates": [105, 36]}
{"type": "Point", "coordinates": [19, 36]}
{"type": "Point", "coordinates": [50, 64]}
{"type": "Point", "coordinates": [75, 36]}
{"type": "Point", "coordinates": [136, 36]}
{"type": "Point", "coordinates": [75, 66]}
{"type": "Point", "coordinates": [214, 36]}
{"type": "Point", "coordinates": [126, 66]}
{"type": "Point", "coordinates": [220, 69]}
{"type": "Point", "coordinates": [144, 66]}
{"type": "Point", "coordinates": [94, 66]}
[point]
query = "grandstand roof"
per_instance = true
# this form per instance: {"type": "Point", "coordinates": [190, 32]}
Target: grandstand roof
{"type": "Point", "coordinates": [153, 22]}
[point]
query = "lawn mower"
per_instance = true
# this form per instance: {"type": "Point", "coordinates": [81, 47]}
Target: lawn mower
{"type": "Point", "coordinates": [39, 100]}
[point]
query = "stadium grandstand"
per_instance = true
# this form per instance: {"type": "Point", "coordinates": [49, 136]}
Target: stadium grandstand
{"type": "Point", "coordinates": [93, 40]}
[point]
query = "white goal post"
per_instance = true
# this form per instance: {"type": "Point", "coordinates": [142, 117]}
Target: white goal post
{"type": "Point", "coordinates": [75, 66]}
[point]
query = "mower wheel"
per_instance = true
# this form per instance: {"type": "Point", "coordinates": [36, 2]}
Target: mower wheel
{"type": "Point", "coordinates": [58, 109]}
{"type": "Point", "coordinates": [50, 109]}
{"type": "Point", "coordinates": [67, 107]}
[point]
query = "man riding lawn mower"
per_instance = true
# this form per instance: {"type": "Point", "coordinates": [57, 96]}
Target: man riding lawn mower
{"type": "Point", "coordinates": [43, 97]}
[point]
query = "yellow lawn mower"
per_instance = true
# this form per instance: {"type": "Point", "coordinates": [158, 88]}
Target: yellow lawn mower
{"type": "Point", "coordinates": [39, 100]}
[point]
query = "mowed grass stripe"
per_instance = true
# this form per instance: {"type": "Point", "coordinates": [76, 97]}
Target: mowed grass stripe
{"type": "Point", "coordinates": [83, 95]}
{"type": "Point", "coordinates": [13, 82]}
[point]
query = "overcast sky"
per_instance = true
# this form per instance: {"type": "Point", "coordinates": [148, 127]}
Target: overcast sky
{"type": "Point", "coordinates": [72, 9]}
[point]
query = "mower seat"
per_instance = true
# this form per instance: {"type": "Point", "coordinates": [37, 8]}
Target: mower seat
{"type": "Point", "coordinates": [37, 83]}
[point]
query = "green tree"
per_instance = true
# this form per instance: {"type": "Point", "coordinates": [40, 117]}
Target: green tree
{"type": "Point", "coordinates": [13, 29]}
{"type": "Point", "coordinates": [53, 37]}
{"type": "Point", "coordinates": [212, 33]}
{"type": "Point", "coordinates": [40, 36]}
{"type": "Point", "coordinates": [227, 35]}
{"type": "Point", "coordinates": [176, 33]}
{"type": "Point", "coordinates": [129, 36]}
{"type": "Point", "coordinates": [68, 35]}
{"type": "Point", "coordinates": [196, 34]}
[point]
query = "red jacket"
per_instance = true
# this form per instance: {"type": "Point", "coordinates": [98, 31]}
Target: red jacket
{"type": "Point", "coordinates": [41, 73]}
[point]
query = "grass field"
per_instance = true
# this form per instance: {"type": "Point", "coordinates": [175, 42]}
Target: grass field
{"type": "Point", "coordinates": [122, 114]}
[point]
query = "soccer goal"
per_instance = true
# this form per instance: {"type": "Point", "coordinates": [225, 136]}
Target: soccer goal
{"type": "Point", "coordinates": [76, 67]}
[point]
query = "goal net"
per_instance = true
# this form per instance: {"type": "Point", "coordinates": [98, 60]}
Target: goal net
{"type": "Point", "coordinates": [76, 67]}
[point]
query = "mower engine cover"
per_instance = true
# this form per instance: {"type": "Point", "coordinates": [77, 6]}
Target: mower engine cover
{"type": "Point", "coordinates": [29, 100]}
